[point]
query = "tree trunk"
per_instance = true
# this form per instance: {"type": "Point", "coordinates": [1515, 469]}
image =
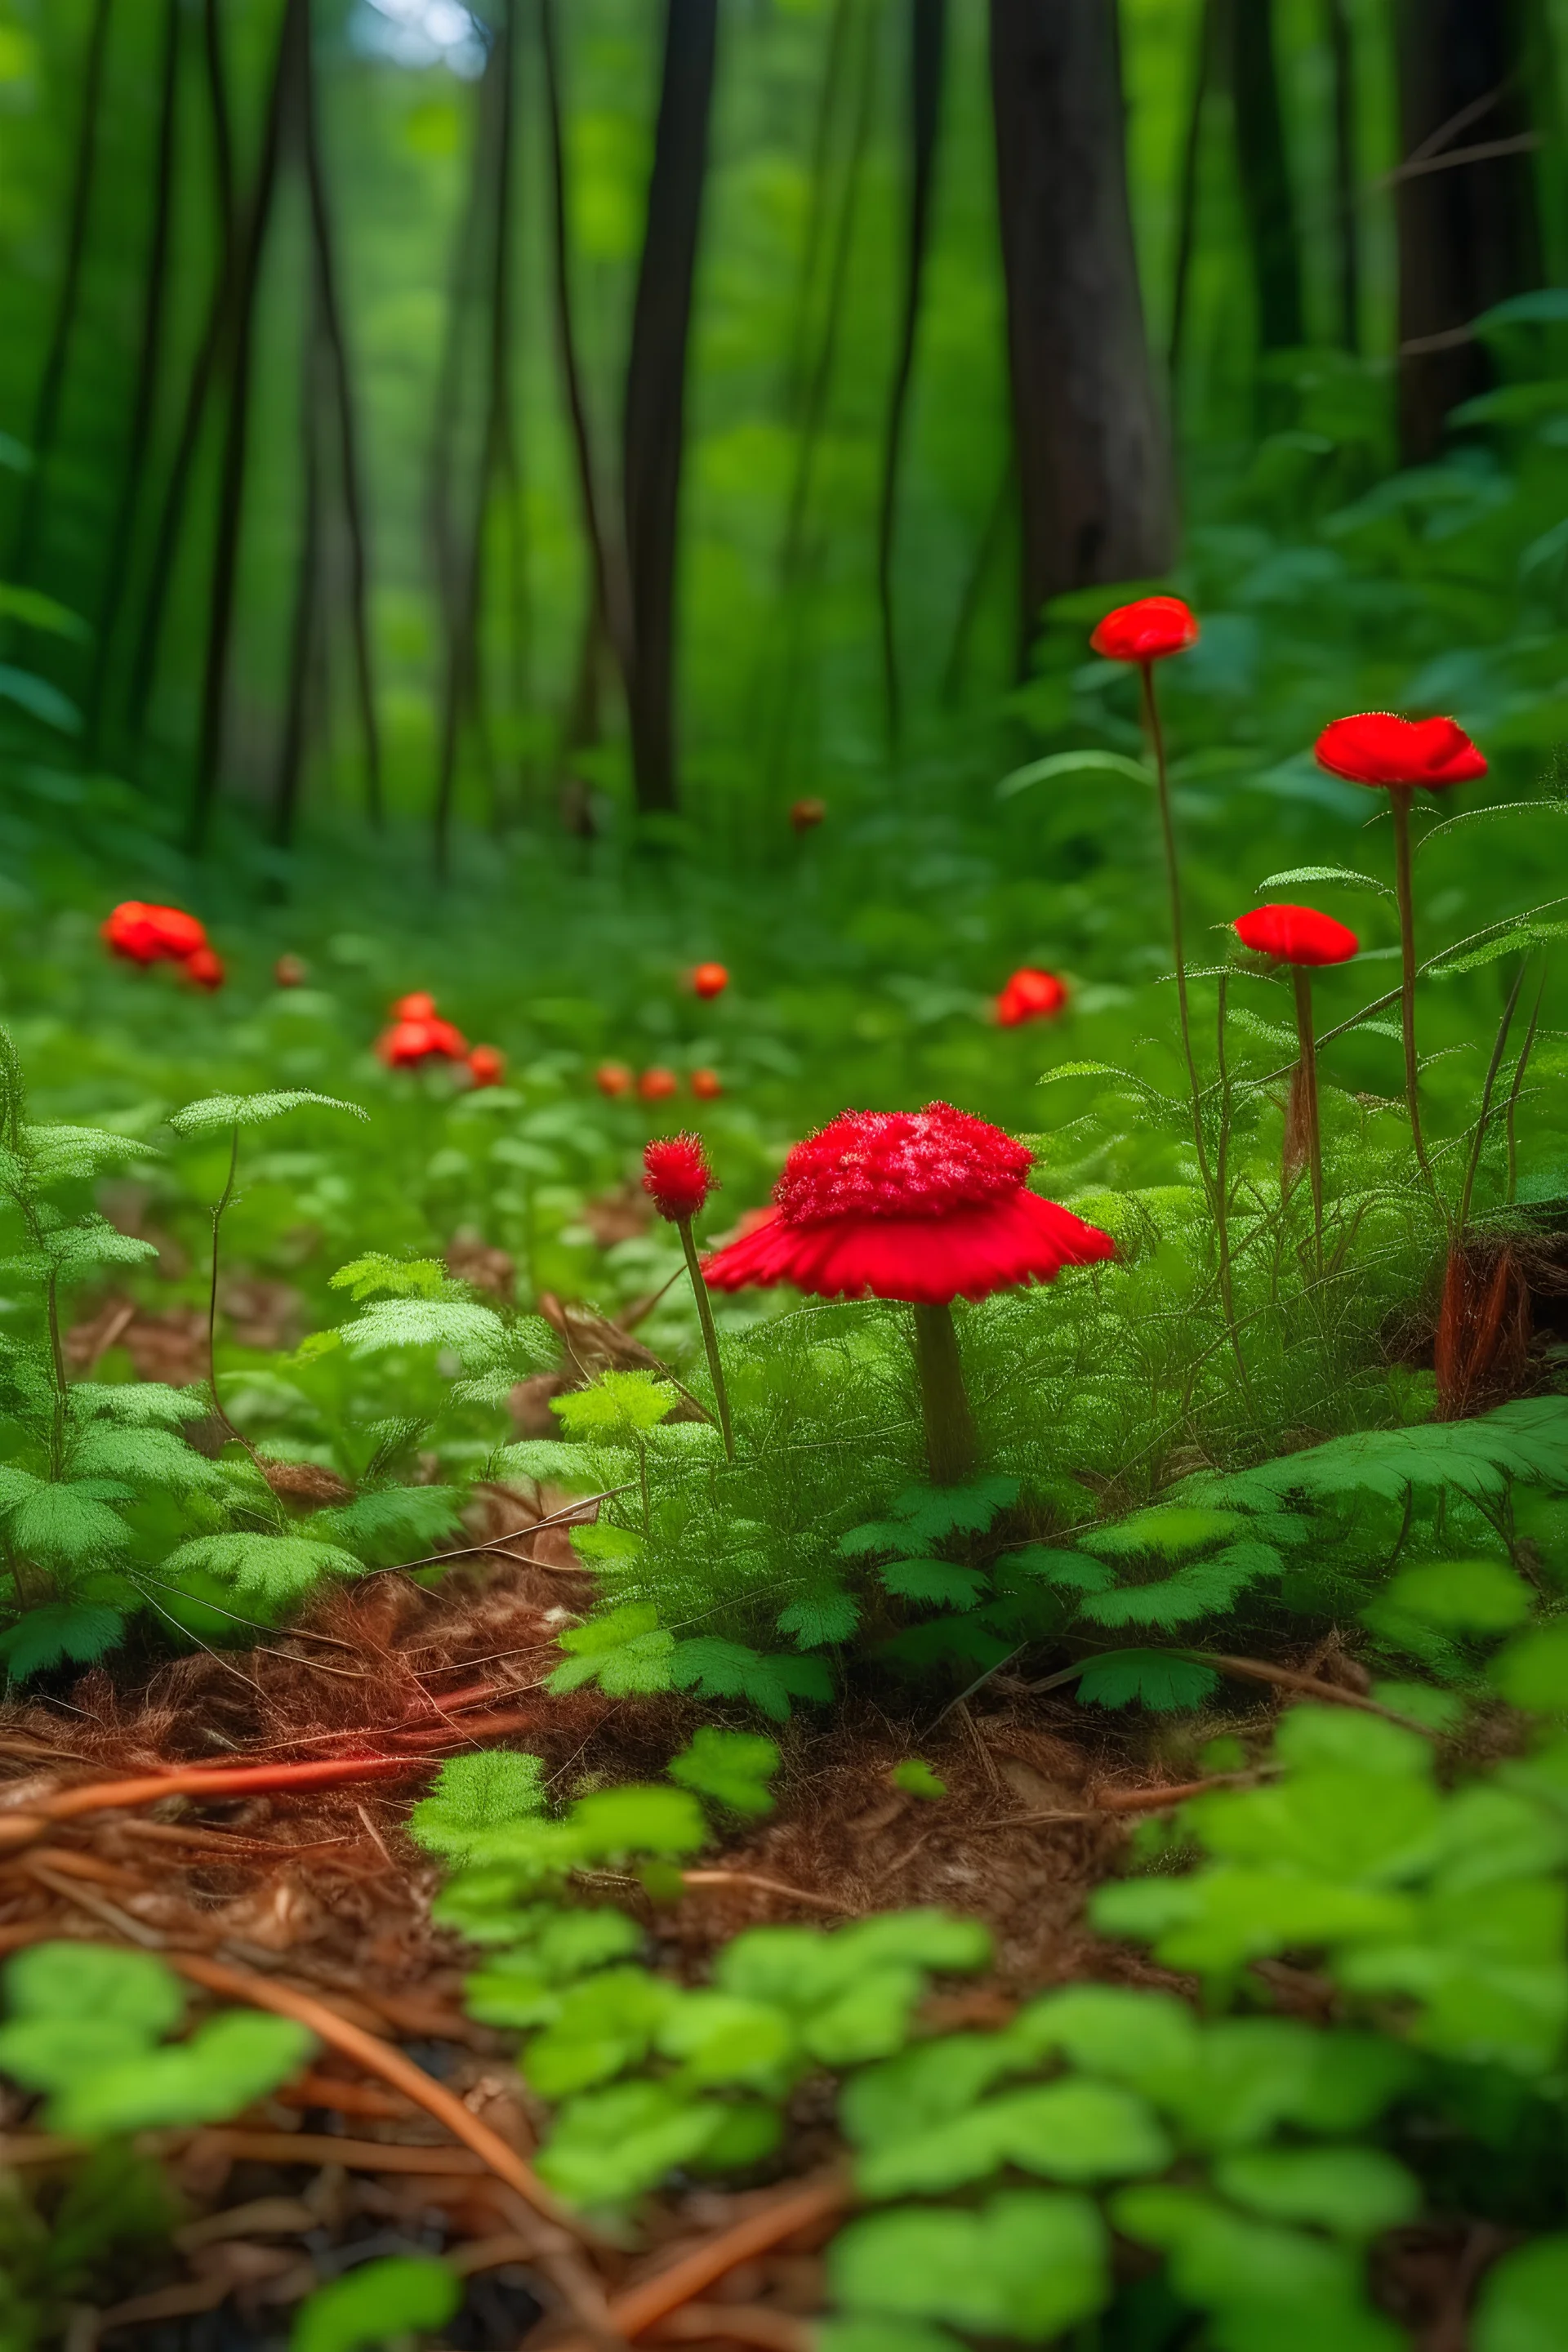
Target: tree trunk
{"type": "Point", "coordinates": [928, 43]}
{"type": "Point", "coordinates": [1263, 166]}
{"type": "Point", "coordinates": [1094, 464]}
{"type": "Point", "coordinates": [1470, 225]}
{"type": "Point", "coordinates": [1347, 224]}
{"type": "Point", "coordinates": [656, 388]}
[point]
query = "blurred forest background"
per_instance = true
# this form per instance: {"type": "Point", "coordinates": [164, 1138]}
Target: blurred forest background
{"type": "Point", "coordinates": [503, 419]}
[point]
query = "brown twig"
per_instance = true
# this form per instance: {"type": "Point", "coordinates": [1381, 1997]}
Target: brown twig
{"type": "Point", "coordinates": [200, 1780]}
{"type": "Point", "coordinates": [737, 2323]}
{"type": "Point", "coordinates": [642, 2307]}
{"type": "Point", "coordinates": [1253, 1670]}
{"type": "Point", "coordinates": [766, 1886]}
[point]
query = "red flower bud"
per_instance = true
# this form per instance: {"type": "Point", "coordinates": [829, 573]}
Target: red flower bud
{"type": "Point", "coordinates": [1030, 996]}
{"type": "Point", "coordinates": [205, 969]}
{"type": "Point", "coordinates": [658, 1084]}
{"type": "Point", "coordinates": [408, 1044]}
{"type": "Point", "coordinates": [1146, 631]}
{"type": "Point", "coordinates": [707, 1085]}
{"type": "Point", "coordinates": [676, 1176]}
{"type": "Point", "coordinates": [613, 1078]}
{"type": "Point", "coordinates": [709, 979]}
{"type": "Point", "coordinates": [144, 934]}
{"type": "Point", "coordinates": [418, 1007]}
{"type": "Point", "coordinates": [290, 972]}
{"type": "Point", "coordinates": [487, 1064]}
{"type": "Point", "coordinates": [1376, 748]}
{"type": "Point", "coordinates": [1296, 935]}
{"type": "Point", "coordinates": [805, 814]}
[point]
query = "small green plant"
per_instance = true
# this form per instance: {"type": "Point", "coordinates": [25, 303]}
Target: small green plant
{"type": "Point", "coordinates": [387, 2301]}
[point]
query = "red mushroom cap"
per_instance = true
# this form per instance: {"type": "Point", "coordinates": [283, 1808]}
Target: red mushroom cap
{"type": "Point", "coordinates": [1377, 748]}
{"type": "Point", "coordinates": [613, 1078]}
{"type": "Point", "coordinates": [145, 934]}
{"type": "Point", "coordinates": [925, 1206]}
{"type": "Point", "coordinates": [487, 1066]}
{"type": "Point", "coordinates": [416, 1007]}
{"type": "Point", "coordinates": [409, 1043]}
{"type": "Point", "coordinates": [709, 979]}
{"type": "Point", "coordinates": [707, 1085]}
{"type": "Point", "coordinates": [1296, 935]}
{"type": "Point", "coordinates": [1146, 631]}
{"type": "Point", "coordinates": [205, 969]}
{"type": "Point", "coordinates": [676, 1176]}
{"type": "Point", "coordinates": [658, 1084]}
{"type": "Point", "coordinates": [1030, 996]}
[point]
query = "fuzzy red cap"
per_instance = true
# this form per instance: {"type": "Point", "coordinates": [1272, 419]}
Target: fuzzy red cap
{"type": "Point", "coordinates": [925, 1206]}
{"type": "Point", "coordinates": [145, 934]}
{"type": "Point", "coordinates": [1377, 748]}
{"type": "Point", "coordinates": [709, 979]}
{"type": "Point", "coordinates": [613, 1078]}
{"type": "Point", "coordinates": [1148, 630]}
{"type": "Point", "coordinates": [1296, 935]}
{"type": "Point", "coordinates": [409, 1043]}
{"type": "Point", "coordinates": [487, 1066]}
{"type": "Point", "coordinates": [205, 969]}
{"type": "Point", "coordinates": [1030, 996]}
{"type": "Point", "coordinates": [676, 1176]}
{"type": "Point", "coordinates": [658, 1084]}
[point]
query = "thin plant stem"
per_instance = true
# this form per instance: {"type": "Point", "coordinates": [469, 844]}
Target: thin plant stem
{"type": "Point", "coordinates": [1173, 884]}
{"type": "Point", "coordinates": [710, 1334]}
{"type": "Point", "coordinates": [1399, 798]}
{"type": "Point", "coordinates": [1222, 1191]}
{"type": "Point", "coordinates": [1472, 1166]}
{"type": "Point", "coordinates": [953, 1443]}
{"type": "Point", "coordinates": [1513, 1091]}
{"type": "Point", "coordinates": [1308, 1081]}
{"type": "Point", "coordinates": [224, 1199]}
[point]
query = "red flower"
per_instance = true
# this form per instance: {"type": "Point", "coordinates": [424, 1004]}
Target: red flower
{"type": "Point", "coordinates": [418, 1007]}
{"type": "Point", "coordinates": [805, 814]}
{"type": "Point", "coordinates": [288, 972]}
{"type": "Point", "coordinates": [409, 1044]}
{"type": "Point", "coordinates": [709, 979]}
{"type": "Point", "coordinates": [707, 1085]}
{"type": "Point", "coordinates": [1296, 935]}
{"type": "Point", "coordinates": [926, 1206]}
{"type": "Point", "coordinates": [144, 934]}
{"type": "Point", "coordinates": [658, 1084]}
{"type": "Point", "coordinates": [1146, 631]}
{"type": "Point", "coordinates": [1030, 996]}
{"type": "Point", "coordinates": [205, 969]}
{"type": "Point", "coordinates": [487, 1063]}
{"type": "Point", "coordinates": [1376, 748]}
{"type": "Point", "coordinates": [677, 1177]}
{"type": "Point", "coordinates": [613, 1078]}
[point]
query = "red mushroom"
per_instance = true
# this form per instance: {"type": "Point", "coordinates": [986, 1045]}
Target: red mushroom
{"type": "Point", "coordinates": [1030, 996]}
{"type": "Point", "coordinates": [1151, 629]}
{"type": "Point", "coordinates": [709, 979]}
{"type": "Point", "coordinates": [923, 1206]}
{"type": "Point", "coordinates": [1305, 941]}
{"type": "Point", "coordinates": [487, 1066]}
{"type": "Point", "coordinates": [658, 1084]}
{"type": "Point", "coordinates": [204, 969]}
{"type": "Point", "coordinates": [613, 1078]}
{"type": "Point", "coordinates": [707, 1085]}
{"type": "Point", "coordinates": [144, 934]}
{"type": "Point", "coordinates": [409, 1044]}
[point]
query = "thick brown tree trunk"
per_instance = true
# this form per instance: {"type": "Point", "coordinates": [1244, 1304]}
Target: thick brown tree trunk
{"type": "Point", "coordinates": [1094, 464]}
{"type": "Point", "coordinates": [656, 388]}
{"type": "Point", "coordinates": [1470, 225]}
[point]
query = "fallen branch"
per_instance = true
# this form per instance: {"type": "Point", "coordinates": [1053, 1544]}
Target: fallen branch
{"type": "Point", "coordinates": [1255, 1670]}
{"type": "Point", "coordinates": [642, 2307]}
{"type": "Point", "coordinates": [21, 1828]}
{"type": "Point", "coordinates": [766, 1886]}
{"type": "Point", "coordinates": [391, 2065]}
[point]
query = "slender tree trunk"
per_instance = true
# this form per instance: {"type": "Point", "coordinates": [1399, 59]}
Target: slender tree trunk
{"type": "Point", "coordinates": [331, 319]}
{"type": "Point", "coordinates": [609, 584]}
{"type": "Point", "coordinates": [1347, 220]}
{"type": "Point", "coordinates": [832, 83]}
{"type": "Point", "coordinates": [654, 427]}
{"type": "Point", "coordinates": [1263, 166]}
{"type": "Point", "coordinates": [1205, 64]}
{"type": "Point", "coordinates": [144, 397]}
{"type": "Point", "coordinates": [1094, 464]}
{"type": "Point", "coordinates": [51, 384]}
{"type": "Point", "coordinates": [170, 513]}
{"type": "Point", "coordinates": [928, 43]}
{"type": "Point", "coordinates": [1470, 225]}
{"type": "Point", "coordinates": [292, 64]}
{"type": "Point", "coordinates": [304, 634]}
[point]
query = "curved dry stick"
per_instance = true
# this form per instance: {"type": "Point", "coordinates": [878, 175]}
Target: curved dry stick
{"type": "Point", "coordinates": [391, 2065]}
{"type": "Point", "coordinates": [223, 1781]}
{"type": "Point", "coordinates": [644, 2306]}
{"type": "Point", "coordinates": [766, 1885]}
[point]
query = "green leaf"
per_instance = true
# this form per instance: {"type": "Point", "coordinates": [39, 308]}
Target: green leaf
{"type": "Point", "coordinates": [1148, 1677]}
{"type": "Point", "coordinates": [67, 1521]}
{"type": "Point", "coordinates": [135, 1404]}
{"type": "Point", "coordinates": [1072, 2131]}
{"type": "Point", "coordinates": [1524, 2302]}
{"type": "Point", "coordinates": [613, 2145]}
{"type": "Point", "coordinates": [815, 1623]}
{"type": "Point", "coordinates": [1204, 1588]}
{"type": "Point", "coordinates": [1073, 763]}
{"type": "Point", "coordinates": [144, 1457]}
{"type": "Point", "coordinates": [939, 1584]}
{"type": "Point", "coordinates": [717, 2037]}
{"type": "Point", "coordinates": [1024, 2263]}
{"type": "Point", "coordinates": [273, 1569]}
{"type": "Point", "coordinates": [230, 2062]}
{"type": "Point", "coordinates": [474, 1794]}
{"type": "Point", "coordinates": [1464, 1596]}
{"type": "Point", "coordinates": [916, 1778]}
{"type": "Point", "coordinates": [638, 1820]}
{"type": "Point", "coordinates": [1345, 875]}
{"type": "Point", "coordinates": [884, 2336]}
{"type": "Point", "coordinates": [615, 1404]}
{"type": "Point", "coordinates": [386, 1524]}
{"type": "Point", "coordinates": [1534, 1671]}
{"type": "Point", "coordinates": [81, 1630]}
{"type": "Point", "coordinates": [218, 1111]}
{"type": "Point", "coordinates": [1519, 939]}
{"type": "Point", "coordinates": [475, 1335]}
{"type": "Point", "coordinates": [1170, 1530]}
{"type": "Point", "coordinates": [401, 2296]}
{"type": "Point", "coordinates": [626, 1650]}
{"type": "Point", "coordinates": [37, 610]}
{"type": "Point", "coordinates": [732, 1768]}
{"type": "Point", "coordinates": [1355, 2192]}
{"type": "Point", "coordinates": [70, 1981]}
{"type": "Point", "coordinates": [719, 1669]}
{"type": "Point", "coordinates": [601, 2027]}
{"type": "Point", "coordinates": [39, 699]}
{"type": "Point", "coordinates": [375, 1274]}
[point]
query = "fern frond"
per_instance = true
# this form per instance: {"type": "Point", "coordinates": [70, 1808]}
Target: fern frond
{"type": "Point", "coordinates": [475, 1335]}
{"type": "Point", "coordinates": [277, 1570]}
{"type": "Point", "coordinates": [217, 1112]}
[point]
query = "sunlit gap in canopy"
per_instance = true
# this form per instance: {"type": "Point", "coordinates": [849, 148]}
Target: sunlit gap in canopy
{"type": "Point", "coordinates": [422, 33]}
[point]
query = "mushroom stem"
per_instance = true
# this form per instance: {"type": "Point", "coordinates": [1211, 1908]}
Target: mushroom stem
{"type": "Point", "coordinates": [1400, 797]}
{"type": "Point", "coordinates": [1307, 1080]}
{"type": "Point", "coordinates": [710, 1334]}
{"type": "Point", "coordinates": [953, 1445]}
